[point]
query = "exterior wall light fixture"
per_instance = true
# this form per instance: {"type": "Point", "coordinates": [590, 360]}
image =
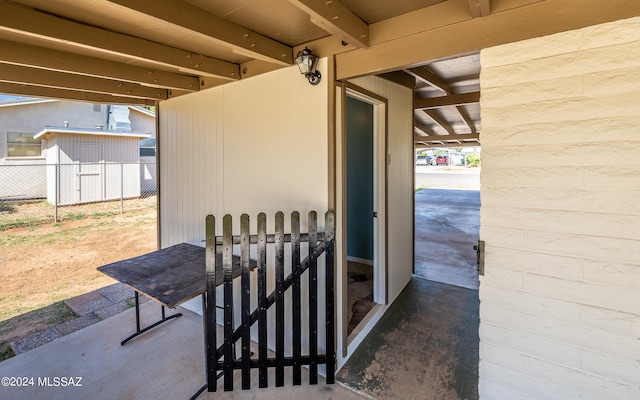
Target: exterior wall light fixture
{"type": "Point", "coordinates": [307, 62]}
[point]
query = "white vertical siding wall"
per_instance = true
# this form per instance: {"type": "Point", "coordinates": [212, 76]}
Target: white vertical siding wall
{"type": "Point", "coordinates": [250, 146]}
{"type": "Point", "coordinates": [400, 188]}
{"type": "Point", "coordinates": [259, 145]}
{"type": "Point", "coordinates": [191, 165]}
{"type": "Point", "coordinates": [399, 201]}
{"type": "Point", "coordinates": [560, 300]}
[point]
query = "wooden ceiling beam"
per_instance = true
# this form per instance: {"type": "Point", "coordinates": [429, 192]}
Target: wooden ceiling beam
{"type": "Point", "coordinates": [435, 117]}
{"type": "Point", "coordinates": [423, 139]}
{"type": "Point", "coordinates": [427, 76]}
{"type": "Point", "coordinates": [40, 57]}
{"type": "Point", "coordinates": [424, 129]}
{"type": "Point", "coordinates": [479, 8]}
{"type": "Point", "coordinates": [55, 93]}
{"type": "Point", "coordinates": [192, 20]}
{"type": "Point", "coordinates": [436, 145]}
{"type": "Point", "coordinates": [32, 23]}
{"type": "Point", "coordinates": [257, 67]}
{"type": "Point", "coordinates": [444, 30]}
{"type": "Point", "coordinates": [401, 78]}
{"type": "Point", "coordinates": [467, 120]}
{"type": "Point", "coordinates": [445, 138]}
{"type": "Point", "coordinates": [60, 80]}
{"type": "Point", "coordinates": [337, 19]}
{"type": "Point", "coordinates": [446, 101]}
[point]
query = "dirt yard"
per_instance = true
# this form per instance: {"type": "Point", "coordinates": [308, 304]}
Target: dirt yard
{"type": "Point", "coordinates": [40, 266]}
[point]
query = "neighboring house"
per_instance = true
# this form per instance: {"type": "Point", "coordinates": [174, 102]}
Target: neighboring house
{"type": "Point", "coordinates": [36, 132]}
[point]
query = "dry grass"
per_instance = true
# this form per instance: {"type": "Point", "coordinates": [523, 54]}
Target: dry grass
{"type": "Point", "coordinates": [45, 263]}
{"type": "Point", "coordinates": [38, 212]}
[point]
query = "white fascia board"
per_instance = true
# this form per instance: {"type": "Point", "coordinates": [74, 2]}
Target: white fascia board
{"type": "Point", "coordinates": [92, 132]}
{"type": "Point", "coordinates": [25, 102]}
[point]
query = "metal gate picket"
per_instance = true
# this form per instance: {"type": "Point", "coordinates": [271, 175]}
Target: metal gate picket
{"type": "Point", "coordinates": [221, 361]}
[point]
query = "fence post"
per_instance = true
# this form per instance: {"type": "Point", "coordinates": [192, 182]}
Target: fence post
{"type": "Point", "coordinates": [57, 194]}
{"type": "Point", "coordinates": [210, 334]}
{"type": "Point", "coordinates": [329, 239]}
{"type": "Point", "coordinates": [121, 188]}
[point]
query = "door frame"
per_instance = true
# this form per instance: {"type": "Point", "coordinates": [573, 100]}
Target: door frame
{"type": "Point", "coordinates": [380, 110]}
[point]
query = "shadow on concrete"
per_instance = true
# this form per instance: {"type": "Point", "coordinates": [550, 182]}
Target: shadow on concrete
{"type": "Point", "coordinates": [424, 347]}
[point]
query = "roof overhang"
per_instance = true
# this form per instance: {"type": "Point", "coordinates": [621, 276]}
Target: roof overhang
{"type": "Point", "coordinates": [25, 102]}
{"type": "Point", "coordinates": [142, 52]}
{"type": "Point", "coordinates": [50, 131]}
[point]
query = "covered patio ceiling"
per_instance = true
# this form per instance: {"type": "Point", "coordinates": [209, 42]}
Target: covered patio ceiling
{"type": "Point", "coordinates": [145, 51]}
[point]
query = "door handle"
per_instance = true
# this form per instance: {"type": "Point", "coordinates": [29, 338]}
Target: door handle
{"type": "Point", "coordinates": [479, 248]}
{"type": "Point", "coordinates": [375, 214]}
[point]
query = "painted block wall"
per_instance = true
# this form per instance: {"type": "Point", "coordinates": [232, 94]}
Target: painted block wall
{"type": "Point", "coordinates": [560, 214]}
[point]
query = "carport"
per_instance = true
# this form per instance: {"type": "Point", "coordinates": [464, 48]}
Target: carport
{"type": "Point", "coordinates": [240, 130]}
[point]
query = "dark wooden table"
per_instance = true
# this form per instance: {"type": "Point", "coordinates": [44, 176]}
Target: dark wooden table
{"type": "Point", "coordinates": [169, 276]}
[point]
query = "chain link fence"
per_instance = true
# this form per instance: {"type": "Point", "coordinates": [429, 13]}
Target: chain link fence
{"type": "Point", "coordinates": [41, 193]}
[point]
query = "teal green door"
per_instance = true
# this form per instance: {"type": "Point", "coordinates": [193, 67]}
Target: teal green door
{"type": "Point", "coordinates": [360, 179]}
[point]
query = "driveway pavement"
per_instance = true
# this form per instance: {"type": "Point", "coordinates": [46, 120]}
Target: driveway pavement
{"type": "Point", "coordinates": [447, 228]}
{"type": "Point", "coordinates": [447, 177]}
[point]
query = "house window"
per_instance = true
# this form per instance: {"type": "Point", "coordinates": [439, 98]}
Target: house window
{"type": "Point", "coordinates": [22, 144]}
{"type": "Point", "coordinates": [148, 148]}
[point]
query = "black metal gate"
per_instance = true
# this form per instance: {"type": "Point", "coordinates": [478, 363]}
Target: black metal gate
{"type": "Point", "coordinates": [221, 361]}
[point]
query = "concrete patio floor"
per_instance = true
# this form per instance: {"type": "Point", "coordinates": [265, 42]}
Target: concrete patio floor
{"type": "Point", "coordinates": [164, 363]}
{"type": "Point", "coordinates": [168, 362]}
{"type": "Point", "coordinates": [425, 347]}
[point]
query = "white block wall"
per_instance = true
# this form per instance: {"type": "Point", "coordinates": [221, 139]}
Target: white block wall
{"type": "Point", "coordinates": [560, 299]}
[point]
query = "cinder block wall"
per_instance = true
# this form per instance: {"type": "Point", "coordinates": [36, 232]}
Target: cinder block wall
{"type": "Point", "coordinates": [560, 299]}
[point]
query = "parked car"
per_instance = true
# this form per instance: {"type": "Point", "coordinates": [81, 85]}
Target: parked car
{"type": "Point", "coordinates": [421, 160]}
{"type": "Point", "coordinates": [442, 160]}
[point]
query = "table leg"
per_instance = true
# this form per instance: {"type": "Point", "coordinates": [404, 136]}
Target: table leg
{"type": "Point", "coordinates": [141, 331]}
